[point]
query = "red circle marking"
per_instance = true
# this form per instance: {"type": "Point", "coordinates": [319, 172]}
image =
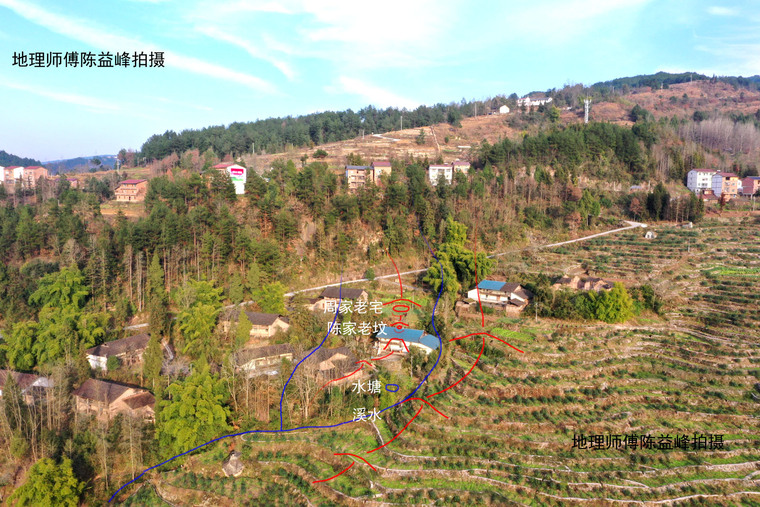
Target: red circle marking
{"type": "Point", "coordinates": [395, 308]}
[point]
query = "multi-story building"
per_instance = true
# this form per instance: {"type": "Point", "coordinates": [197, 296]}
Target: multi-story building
{"type": "Point", "coordinates": [435, 171]}
{"type": "Point", "coordinates": [725, 183]}
{"type": "Point", "coordinates": [131, 191]}
{"type": "Point", "coordinates": [32, 174]}
{"type": "Point", "coordinates": [357, 175]}
{"type": "Point", "coordinates": [698, 180]}
{"type": "Point", "coordinates": [237, 174]}
{"type": "Point", "coordinates": [380, 168]}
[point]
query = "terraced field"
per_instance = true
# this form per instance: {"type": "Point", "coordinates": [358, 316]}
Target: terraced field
{"type": "Point", "coordinates": [505, 434]}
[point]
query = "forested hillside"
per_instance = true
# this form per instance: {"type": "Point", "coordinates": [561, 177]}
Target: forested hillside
{"type": "Point", "coordinates": [7, 159]}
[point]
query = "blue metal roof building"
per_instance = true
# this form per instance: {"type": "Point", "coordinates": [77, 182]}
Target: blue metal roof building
{"type": "Point", "coordinates": [410, 336]}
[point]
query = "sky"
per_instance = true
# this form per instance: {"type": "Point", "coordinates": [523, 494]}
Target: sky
{"type": "Point", "coordinates": [241, 60]}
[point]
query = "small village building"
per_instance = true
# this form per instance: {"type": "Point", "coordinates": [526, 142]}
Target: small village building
{"type": "Point", "coordinates": [358, 175]}
{"type": "Point", "coordinates": [751, 185]}
{"type": "Point", "coordinates": [435, 171]}
{"type": "Point", "coordinates": [73, 182]}
{"type": "Point", "coordinates": [698, 180]}
{"type": "Point", "coordinates": [583, 283]}
{"type": "Point", "coordinates": [263, 325]}
{"type": "Point", "coordinates": [725, 183]}
{"type": "Point", "coordinates": [31, 386]}
{"type": "Point", "coordinates": [264, 360]}
{"type": "Point", "coordinates": [105, 400]}
{"type": "Point", "coordinates": [331, 295]}
{"type": "Point", "coordinates": [650, 235]}
{"type": "Point", "coordinates": [237, 174]}
{"type": "Point", "coordinates": [332, 365]}
{"type": "Point", "coordinates": [380, 168]}
{"type": "Point", "coordinates": [504, 109]}
{"type": "Point", "coordinates": [128, 350]}
{"type": "Point", "coordinates": [509, 297]}
{"type": "Point", "coordinates": [32, 174]}
{"type": "Point", "coordinates": [460, 166]}
{"type": "Point", "coordinates": [392, 339]}
{"type": "Point", "coordinates": [528, 101]}
{"type": "Point", "coordinates": [131, 191]}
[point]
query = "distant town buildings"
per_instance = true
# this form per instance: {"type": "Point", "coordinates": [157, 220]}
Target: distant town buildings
{"type": "Point", "coordinates": [237, 174]}
{"type": "Point", "coordinates": [26, 176]}
{"type": "Point", "coordinates": [528, 102]}
{"type": "Point", "coordinates": [131, 191]}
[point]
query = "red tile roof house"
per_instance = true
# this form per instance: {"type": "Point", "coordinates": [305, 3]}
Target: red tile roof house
{"type": "Point", "coordinates": [751, 185]}
{"type": "Point", "coordinates": [106, 399]}
{"type": "Point", "coordinates": [131, 191]}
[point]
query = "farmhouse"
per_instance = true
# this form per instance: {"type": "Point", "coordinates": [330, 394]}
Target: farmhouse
{"type": "Point", "coordinates": [391, 339]}
{"type": "Point", "coordinates": [437, 170]}
{"type": "Point", "coordinates": [32, 174]}
{"type": "Point", "coordinates": [751, 185]}
{"type": "Point", "coordinates": [527, 101]}
{"type": "Point", "coordinates": [332, 364]}
{"type": "Point", "coordinates": [131, 191]}
{"type": "Point", "coordinates": [263, 325]}
{"type": "Point", "coordinates": [699, 179]}
{"type": "Point", "coordinates": [380, 168]}
{"type": "Point", "coordinates": [510, 297]}
{"type": "Point", "coordinates": [461, 166]}
{"type": "Point", "coordinates": [586, 283]}
{"type": "Point", "coordinates": [357, 175]}
{"type": "Point", "coordinates": [106, 399]}
{"type": "Point", "coordinates": [331, 296]}
{"type": "Point", "coordinates": [237, 174]}
{"type": "Point", "coordinates": [31, 386]}
{"type": "Point", "coordinates": [264, 360]}
{"type": "Point", "coordinates": [503, 109]}
{"type": "Point", "coordinates": [725, 183]}
{"type": "Point", "coordinates": [128, 350]}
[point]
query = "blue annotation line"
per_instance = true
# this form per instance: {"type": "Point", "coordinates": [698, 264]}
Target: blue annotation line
{"type": "Point", "coordinates": [432, 318]}
{"type": "Point", "coordinates": [337, 308]}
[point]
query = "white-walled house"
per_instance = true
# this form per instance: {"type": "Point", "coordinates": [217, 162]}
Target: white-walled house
{"type": "Point", "coordinates": [237, 174]}
{"type": "Point", "coordinates": [437, 170]}
{"type": "Point", "coordinates": [698, 180]}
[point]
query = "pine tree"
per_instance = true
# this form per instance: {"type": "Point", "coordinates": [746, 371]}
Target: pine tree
{"type": "Point", "coordinates": [243, 330]}
{"type": "Point", "coordinates": [153, 358]}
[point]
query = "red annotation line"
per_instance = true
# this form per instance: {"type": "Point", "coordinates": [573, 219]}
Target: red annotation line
{"type": "Point", "coordinates": [399, 324]}
{"type": "Point", "coordinates": [401, 287]}
{"type": "Point", "coordinates": [465, 375]}
{"type": "Point", "coordinates": [399, 339]}
{"type": "Point", "coordinates": [405, 300]}
{"type": "Point", "coordinates": [336, 379]}
{"type": "Point", "coordinates": [355, 456]}
{"type": "Point", "coordinates": [487, 334]}
{"type": "Point", "coordinates": [336, 475]}
{"type": "Point", "coordinates": [379, 358]}
{"type": "Point", "coordinates": [410, 421]}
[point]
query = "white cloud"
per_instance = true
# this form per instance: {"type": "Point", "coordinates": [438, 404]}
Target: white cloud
{"type": "Point", "coordinates": [737, 59]}
{"type": "Point", "coordinates": [85, 31]}
{"type": "Point", "coordinates": [91, 103]}
{"type": "Point", "coordinates": [237, 40]}
{"type": "Point", "coordinates": [722, 11]}
{"type": "Point", "coordinates": [370, 93]}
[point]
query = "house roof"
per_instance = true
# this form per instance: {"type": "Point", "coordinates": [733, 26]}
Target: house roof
{"type": "Point", "coordinates": [358, 167]}
{"type": "Point", "coordinates": [140, 400]}
{"type": "Point", "coordinates": [439, 166]}
{"type": "Point", "coordinates": [122, 346]}
{"type": "Point", "coordinates": [410, 336]}
{"type": "Point", "coordinates": [726, 175]}
{"type": "Point", "coordinates": [263, 319]}
{"type": "Point", "coordinates": [23, 380]}
{"type": "Point", "coordinates": [381, 163]}
{"type": "Point", "coordinates": [132, 182]}
{"type": "Point", "coordinates": [34, 167]}
{"type": "Point", "coordinates": [247, 355]}
{"type": "Point", "coordinates": [101, 390]}
{"type": "Point", "coordinates": [460, 162]}
{"type": "Point", "coordinates": [346, 293]}
{"type": "Point", "coordinates": [499, 286]}
{"type": "Point", "coordinates": [14, 167]}
{"type": "Point", "coordinates": [332, 363]}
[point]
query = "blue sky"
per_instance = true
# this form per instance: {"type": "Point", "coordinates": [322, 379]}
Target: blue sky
{"type": "Point", "coordinates": [239, 60]}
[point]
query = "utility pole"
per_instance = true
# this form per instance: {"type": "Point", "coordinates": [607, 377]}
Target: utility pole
{"type": "Point", "coordinates": [402, 122]}
{"type": "Point", "coordinates": [586, 106]}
